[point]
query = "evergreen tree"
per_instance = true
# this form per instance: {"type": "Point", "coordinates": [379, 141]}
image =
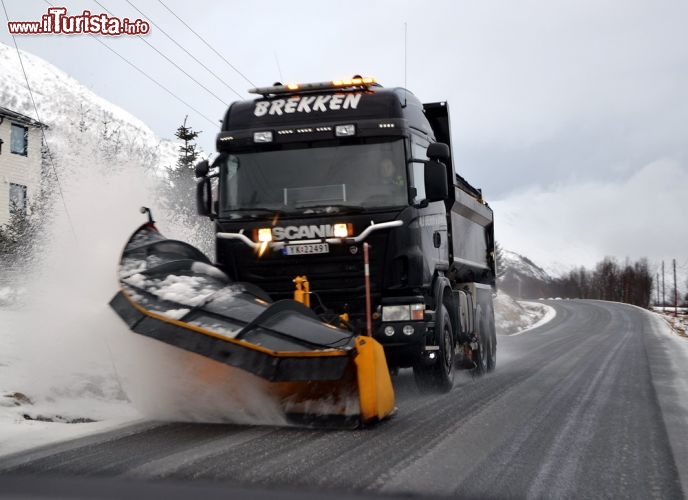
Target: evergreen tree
{"type": "Point", "coordinates": [178, 196]}
{"type": "Point", "coordinates": [16, 236]}
{"type": "Point", "coordinates": [182, 174]}
{"type": "Point", "coordinates": [187, 151]}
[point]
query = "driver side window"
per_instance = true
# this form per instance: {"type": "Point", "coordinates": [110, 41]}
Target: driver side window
{"type": "Point", "coordinates": [419, 152]}
{"type": "Point", "coordinates": [230, 194]}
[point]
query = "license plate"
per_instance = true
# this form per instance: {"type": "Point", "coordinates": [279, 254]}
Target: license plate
{"type": "Point", "coordinates": [307, 249]}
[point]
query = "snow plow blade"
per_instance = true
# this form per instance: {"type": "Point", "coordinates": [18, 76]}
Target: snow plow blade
{"type": "Point", "coordinates": [316, 373]}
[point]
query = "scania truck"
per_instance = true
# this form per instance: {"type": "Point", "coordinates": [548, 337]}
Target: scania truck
{"type": "Point", "coordinates": [312, 178]}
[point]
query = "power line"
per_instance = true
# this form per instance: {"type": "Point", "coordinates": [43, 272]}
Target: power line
{"type": "Point", "coordinates": [186, 51]}
{"type": "Point", "coordinates": [213, 122]}
{"type": "Point", "coordinates": [170, 61]}
{"type": "Point", "coordinates": [45, 139]}
{"type": "Point", "coordinates": [210, 120]}
{"type": "Point", "coordinates": [207, 44]}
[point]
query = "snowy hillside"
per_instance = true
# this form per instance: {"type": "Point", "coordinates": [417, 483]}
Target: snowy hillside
{"type": "Point", "coordinates": [521, 277]}
{"type": "Point", "coordinates": [99, 152]}
{"type": "Point", "coordinates": [70, 110]}
{"type": "Point", "coordinates": [515, 263]}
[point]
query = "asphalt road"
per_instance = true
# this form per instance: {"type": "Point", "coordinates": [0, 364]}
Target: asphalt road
{"type": "Point", "coordinates": [580, 407]}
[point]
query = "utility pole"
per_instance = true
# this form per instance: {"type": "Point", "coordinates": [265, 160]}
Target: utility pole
{"type": "Point", "coordinates": [657, 289]}
{"type": "Point", "coordinates": [663, 296]}
{"type": "Point", "coordinates": [675, 293]}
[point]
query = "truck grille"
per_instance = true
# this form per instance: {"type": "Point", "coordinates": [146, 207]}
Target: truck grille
{"type": "Point", "coordinates": [338, 275]}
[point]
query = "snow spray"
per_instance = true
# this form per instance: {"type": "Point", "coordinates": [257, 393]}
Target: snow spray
{"type": "Point", "coordinates": [73, 352]}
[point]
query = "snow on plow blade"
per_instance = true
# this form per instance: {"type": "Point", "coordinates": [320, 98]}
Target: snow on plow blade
{"type": "Point", "coordinates": [316, 373]}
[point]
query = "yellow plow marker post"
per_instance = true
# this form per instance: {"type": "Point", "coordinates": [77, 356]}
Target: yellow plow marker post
{"type": "Point", "coordinates": [375, 392]}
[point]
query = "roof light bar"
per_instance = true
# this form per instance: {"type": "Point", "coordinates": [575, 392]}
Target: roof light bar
{"type": "Point", "coordinates": [291, 88]}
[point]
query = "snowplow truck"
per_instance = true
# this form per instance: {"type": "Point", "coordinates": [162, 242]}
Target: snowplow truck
{"type": "Point", "coordinates": [310, 179]}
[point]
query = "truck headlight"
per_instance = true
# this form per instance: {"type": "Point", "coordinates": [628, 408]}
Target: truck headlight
{"type": "Point", "coordinates": [405, 312]}
{"type": "Point", "coordinates": [340, 230]}
{"type": "Point", "coordinates": [265, 234]}
{"type": "Point", "coordinates": [396, 313]}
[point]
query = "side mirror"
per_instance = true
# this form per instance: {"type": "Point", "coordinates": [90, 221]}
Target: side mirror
{"type": "Point", "coordinates": [439, 151]}
{"type": "Point", "coordinates": [204, 197]}
{"type": "Point", "coordinates": [436, 188]}
{"type": "Point", "coordinates": [202, 169]}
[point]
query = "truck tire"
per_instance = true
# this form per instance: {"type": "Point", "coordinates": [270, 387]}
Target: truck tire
{"type": "Point", "coordinates": [480, 354]}
{"type": "Point", "coordinates": [439, 376]}
{"type": "Point", "coordinates": [491, 360]}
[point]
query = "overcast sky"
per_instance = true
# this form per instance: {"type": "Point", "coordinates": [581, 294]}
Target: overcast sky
{"type": "Point", "coordinates": [571, 115]}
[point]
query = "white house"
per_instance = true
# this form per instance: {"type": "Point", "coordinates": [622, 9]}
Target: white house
{"type": "Point", "coordinates": [20, 161]}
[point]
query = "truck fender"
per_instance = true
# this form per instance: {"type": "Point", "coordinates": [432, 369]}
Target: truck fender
{"type": "Point", "coordinates": [443, 295]}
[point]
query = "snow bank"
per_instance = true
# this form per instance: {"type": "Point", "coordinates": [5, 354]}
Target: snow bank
{"type": "Point", "coordinates": [79, 399]}
{"type": "Point", "coordinates": [25, 424]}
{"type": "Point", "coordinates": [678, 324]}
{"type": "Point", "coordinates": [514, 317]}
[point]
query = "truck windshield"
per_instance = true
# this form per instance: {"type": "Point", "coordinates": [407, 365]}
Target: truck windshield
{"type": "Point", "coordinates": [314, 179]}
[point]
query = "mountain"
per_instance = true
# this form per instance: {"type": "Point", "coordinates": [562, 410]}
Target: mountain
{"type": "Point", "coordinates": [521, 277]}
{"type": "Point", "coordinates": [75, 114]}
{"type": "Point", "coordinates": [99, 152]}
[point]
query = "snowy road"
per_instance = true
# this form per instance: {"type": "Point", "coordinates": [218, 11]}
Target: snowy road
{"type": "Point", "coordinates": [589, 405]}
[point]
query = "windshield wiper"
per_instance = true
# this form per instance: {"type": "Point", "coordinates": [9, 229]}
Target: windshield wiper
{"type": "Point", "coordinates": [334, 209]}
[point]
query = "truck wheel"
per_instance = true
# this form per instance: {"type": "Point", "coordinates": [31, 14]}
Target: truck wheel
{"type": "Point", "coordinates": [491, 360]}
{"type": "Point", "coordinates": [480, 355]}
{"type": "Point", "coordinates": [439, 376]}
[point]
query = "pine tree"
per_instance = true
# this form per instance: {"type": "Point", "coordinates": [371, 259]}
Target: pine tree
{"type": "Point", "coordinates": [16, 235]}
{"type": "Point", "coordinates": [187, 151]}
{"type": "Point", "coordinates": [178, 196]}
{"type": "Point", "coordinates": [182, 174]}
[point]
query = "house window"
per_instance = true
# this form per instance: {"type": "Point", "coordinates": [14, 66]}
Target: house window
{"type": "Point", "coordinates": [18, 199]}
{"type": "Point", "coordinates": [19, 140]}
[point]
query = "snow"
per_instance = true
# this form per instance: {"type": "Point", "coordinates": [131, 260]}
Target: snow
{"type": "Point", "coordinates": [62, 101]}
{"type": "Point", "coordinates": [515, 317]}
{"type": "Point", "coordinates": [536, 307]}
{"type": "Point", "coordinates": [26, 426]}
{"type": "Point", "coordinates": [176, 313]}
{"type": "Point", "coordinates": [83, 401]}
{"type": "Point", "coordinates": [523, 266]}
{"type": "Point", "coordinates": [677, 323]}
{"type": "Point", "coordinates": [188, 290]}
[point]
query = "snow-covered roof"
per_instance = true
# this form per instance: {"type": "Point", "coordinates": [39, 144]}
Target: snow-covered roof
{"type": "Point", "coordinates": [13, 115]}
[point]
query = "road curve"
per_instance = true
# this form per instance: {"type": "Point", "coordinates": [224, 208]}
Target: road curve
{"type": "Point", "coordinates": [576, 408]}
